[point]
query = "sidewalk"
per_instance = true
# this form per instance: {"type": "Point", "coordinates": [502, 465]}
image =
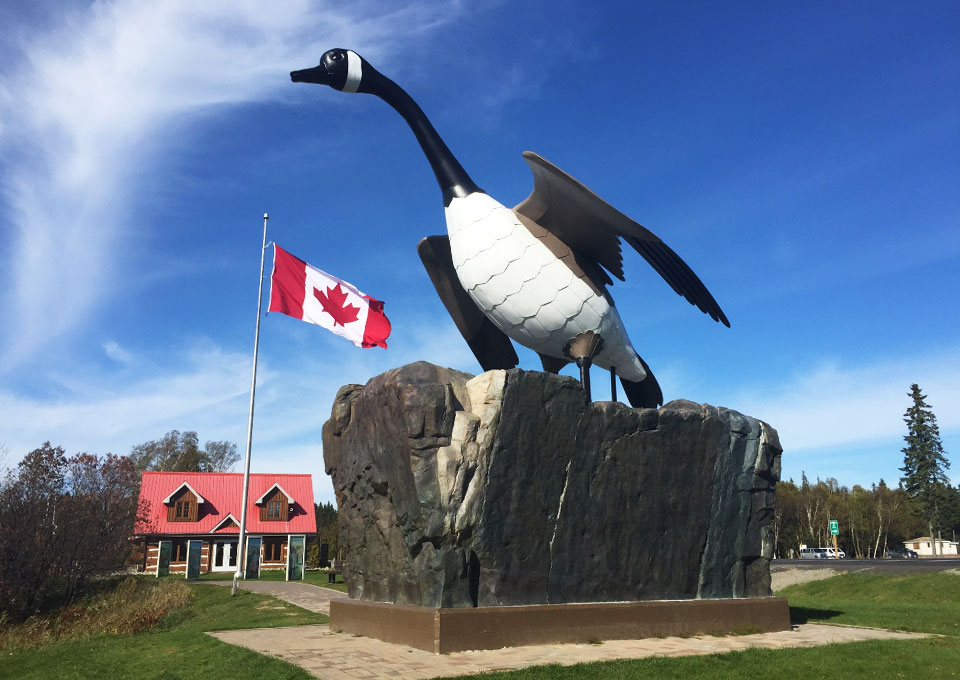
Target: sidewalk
{"type": "Point", "coordinates": [310, 597]}
{"type": "Point", "coordinates": [338, 656]}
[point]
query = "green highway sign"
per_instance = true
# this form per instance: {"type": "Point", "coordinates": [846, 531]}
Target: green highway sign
{"type": "Point", "coordinates": [834, 527]}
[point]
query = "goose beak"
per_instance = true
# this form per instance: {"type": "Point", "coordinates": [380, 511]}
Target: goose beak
{"type": "Point", "coordinates": [317, 74]}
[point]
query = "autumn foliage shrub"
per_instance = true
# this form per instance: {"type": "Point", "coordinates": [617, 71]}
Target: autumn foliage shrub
{"type": "Point", "coordinates": [64, 525]}
{"type": "Point", "coordinates": [134, 606]}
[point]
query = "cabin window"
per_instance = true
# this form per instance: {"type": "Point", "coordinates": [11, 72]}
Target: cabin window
{"type": "Point", "coordinates": [272, 548]}
{"type": "Point", "coordinates": [276, 508]}
{"type": "Point", "coordinates": [178, 551]}
{"type": "Point", "coordinates": [183, 508]}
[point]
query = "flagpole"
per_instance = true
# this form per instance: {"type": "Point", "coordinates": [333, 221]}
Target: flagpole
{"type": "Point", "coordinates": [241, 546]}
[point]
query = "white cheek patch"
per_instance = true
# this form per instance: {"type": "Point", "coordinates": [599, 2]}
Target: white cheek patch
{"type": "Point", "coordinates": [354, 72]}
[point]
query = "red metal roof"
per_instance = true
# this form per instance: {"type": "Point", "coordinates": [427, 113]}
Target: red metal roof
{"type": "Point", "coordinates": [223, 493]}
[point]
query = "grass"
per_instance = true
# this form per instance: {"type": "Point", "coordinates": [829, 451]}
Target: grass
{"type": "Point", "coordinates": [176, 647]}
{"type": "Point", "coordinates": [313, 577]}
{"type": "Point", "coordinates": [917, 602]}
{"type": "Point", "coordinates": [119, 606]}
{"type": "Point", "coordinates": [340, 585]}
{"type": "Point", "coordinates": [931, 658]}
{"type": "Point", "coordinates": [926, 603]}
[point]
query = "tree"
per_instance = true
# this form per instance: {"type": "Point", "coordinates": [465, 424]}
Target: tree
{"type": "Point", "coordinates": [220, 456]}
{"type": "Point", "coordinates": [176, 452]}
{"type": "Point", "coordinates": [63, 521]}
{"type": "Point", "coordinates": [952, 511]}
{"type": "Point", "coordinates": [924, 462]}
{"type": "Point", "coordinates": [327, 525]}
{"type": "Point", "coordinates": [887, 504]}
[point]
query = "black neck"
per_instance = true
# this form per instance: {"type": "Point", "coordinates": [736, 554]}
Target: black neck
{"type": "Point", "coordinates": [453, 179]}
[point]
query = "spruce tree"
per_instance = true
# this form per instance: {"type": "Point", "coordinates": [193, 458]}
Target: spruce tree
{"type": "Point", "coordinates": [924, 463]}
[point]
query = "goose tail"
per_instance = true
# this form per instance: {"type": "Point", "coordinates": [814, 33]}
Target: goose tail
{"type": "Point", "coordinates": [644, 393]}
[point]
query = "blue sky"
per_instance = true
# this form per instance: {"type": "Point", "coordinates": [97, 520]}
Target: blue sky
{"type": "Point", "coordinates": [802, 160]}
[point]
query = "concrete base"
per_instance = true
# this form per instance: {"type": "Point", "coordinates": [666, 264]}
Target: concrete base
{"type": "Point", "coordinates": [455, 630]}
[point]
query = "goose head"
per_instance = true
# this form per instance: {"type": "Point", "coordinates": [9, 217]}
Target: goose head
{"type": "Point", "coordinates": [340, 69]}
{"type": "Point", "coordinates": [347, 71]}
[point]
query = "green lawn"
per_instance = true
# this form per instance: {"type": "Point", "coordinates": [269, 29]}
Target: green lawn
{"type": "Point", "coordinates": [176, 648]}
{"type": "Point", "coordinates": [924, 659]}
{"type": "Point", "coordinates": [313, 577]}
{"type": "Point", "coordinates": [339, 585]}
{"type": "Point", "coordinates": [920, 602]}
{"type": "Point", "coordinates": [928, 603]}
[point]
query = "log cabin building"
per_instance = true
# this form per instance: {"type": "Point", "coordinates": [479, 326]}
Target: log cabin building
{"type": "Point", "coordinates": [183, 510]}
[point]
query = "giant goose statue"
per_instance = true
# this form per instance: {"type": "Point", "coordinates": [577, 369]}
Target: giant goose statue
{"type": "Point", "coordinates": [536, 274]}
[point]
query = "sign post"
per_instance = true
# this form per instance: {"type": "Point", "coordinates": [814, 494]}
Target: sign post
{"type": "Point", "coordinates": [834, 530]}
{"type": "Point", "coordinates": [296, 546]}
{"type": "Point", "coordinates": [164, 548]}
{"type": "Point", "coordinates": [194, 549]}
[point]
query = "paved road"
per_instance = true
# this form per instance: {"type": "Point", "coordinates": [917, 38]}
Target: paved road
{"type": "Point", "coordinates": [305, 595]}
{"type": "Point", "coordinates": [881, 566]}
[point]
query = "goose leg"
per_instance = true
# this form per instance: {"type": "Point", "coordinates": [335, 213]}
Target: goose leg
{"type": "Point", "coordinates": [613, 383]}
{"type": "Point", "coordinates": [584, 364]}
{"type": "Point", "coordinates": [582, 348]}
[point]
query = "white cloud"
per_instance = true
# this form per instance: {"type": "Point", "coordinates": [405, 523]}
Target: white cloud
{"type": "Point", "coordinates": [117, 353]}
{"type": "Point", "coordinates": [85, 115]}
{"type": "Point", "coordinates": [207, 389]}
{"type": "Point", "coordinates": [831, 405]}
{"type": "Point", "coordinates": [95, 414]}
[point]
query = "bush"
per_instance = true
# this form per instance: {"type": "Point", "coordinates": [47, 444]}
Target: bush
{"type": "Point", "coordinates": [133, 606]}
{"type": "Point", "coordinates": [313, 556]}
{"type": "Point", "coordinates": [63, 523]}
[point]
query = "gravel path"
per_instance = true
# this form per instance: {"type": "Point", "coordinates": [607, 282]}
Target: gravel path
{"type": "Point", "coordinates": [791, 577]}
{"type": "Point", "coordinates": [785, 573]}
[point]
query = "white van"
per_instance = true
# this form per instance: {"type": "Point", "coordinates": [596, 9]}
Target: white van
{"type": "Point", "coordinates": [820, 554]}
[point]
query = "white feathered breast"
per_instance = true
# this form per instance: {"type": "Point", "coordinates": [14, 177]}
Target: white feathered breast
{"type": "Point", "coordinates": [522, 286]}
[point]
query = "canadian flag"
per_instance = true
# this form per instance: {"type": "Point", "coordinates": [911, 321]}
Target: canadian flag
{"type": "Point", "coordinates": [306, 293]}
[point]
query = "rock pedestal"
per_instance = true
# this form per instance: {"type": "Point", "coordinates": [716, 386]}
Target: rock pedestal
{"type": "Point", "coordinates": [510, 489]}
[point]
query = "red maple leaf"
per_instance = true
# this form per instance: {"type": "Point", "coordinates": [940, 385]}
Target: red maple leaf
{"type": "Point", "coordinates": [333, 304]}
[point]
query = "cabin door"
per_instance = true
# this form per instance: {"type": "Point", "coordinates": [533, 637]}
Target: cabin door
{"type": "Point", "coordinates": [224, 555]}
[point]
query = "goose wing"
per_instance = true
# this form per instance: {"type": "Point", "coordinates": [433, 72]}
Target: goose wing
{"type": "Point", "coordinates": [489, 345]}
{"type": "Point", "coordinates": [592, 228]}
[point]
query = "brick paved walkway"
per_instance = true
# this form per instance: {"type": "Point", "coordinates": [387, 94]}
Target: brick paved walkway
{"type": "Point", "coordinates": [338, 656]}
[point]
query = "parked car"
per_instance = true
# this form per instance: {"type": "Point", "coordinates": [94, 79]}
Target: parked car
{"type": "Point", "coordinates": [820, 554]}
{"type": "Point", "coordinates": [901, 554]}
